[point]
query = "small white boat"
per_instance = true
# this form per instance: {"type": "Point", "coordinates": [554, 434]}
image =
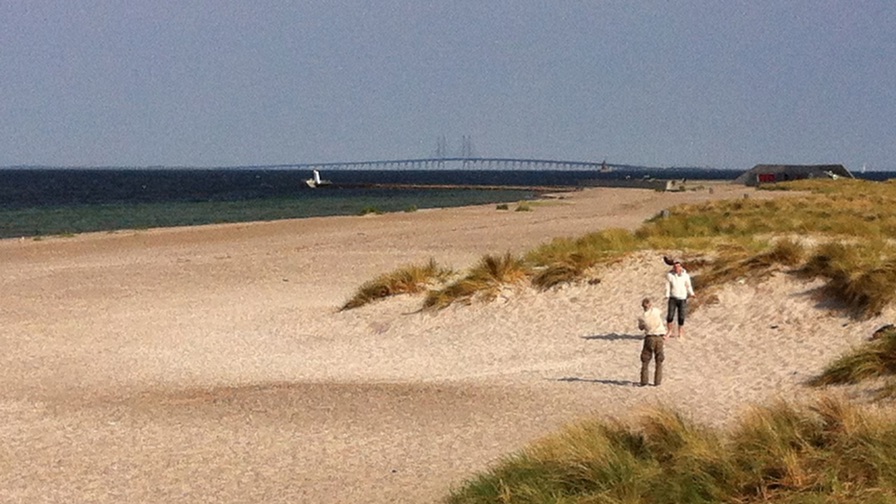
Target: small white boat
{"type": "Point", "coordinates": [316, 181]}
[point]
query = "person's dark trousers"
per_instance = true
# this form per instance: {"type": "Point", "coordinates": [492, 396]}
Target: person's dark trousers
{"type": "Point", "coordinates": [653, 348]}
{"type": "Point", "coordinates": [676, 305]}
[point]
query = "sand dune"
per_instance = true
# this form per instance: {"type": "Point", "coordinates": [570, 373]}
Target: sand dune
{"type": "Point", "coordinates": [210, 364]}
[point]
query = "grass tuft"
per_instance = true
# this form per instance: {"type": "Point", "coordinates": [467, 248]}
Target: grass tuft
{"type": "Point", "coordinates": [739, 239]}
{"type": "Point", "coordinates": [829, 451]}
{"type": "Point", "coordinates": [859, 275]}
{"type": "Point", "coordinates": [368, 210]}
{"type": "Point", "coordinates": [874, 359]}
{"type": "Point", "coordinates": [484, 281]}
{"type": "Point", "coordinates": [570, 269]}
{"type": "Point", "coordinates": [405, 280]}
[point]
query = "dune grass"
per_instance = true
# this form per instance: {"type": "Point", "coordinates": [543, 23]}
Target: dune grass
{"type": "Point", "coordinates": [861, 275]}
{"type": "Point", "coordinates": [873, 360]}
{"type": "Point", "coordinates": [566, 260]}
{"type": "Point", "coordinates": [851, 224]}
{"type": "Point", "coordinates": [829, 451]}
{"type": "Point", "coordinates": [405, 280]}
{"type": "Point", "coordinates": [484, 281]}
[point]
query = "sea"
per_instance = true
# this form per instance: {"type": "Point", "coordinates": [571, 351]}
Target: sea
{"type": "Point", "coordinates": [45, 201]}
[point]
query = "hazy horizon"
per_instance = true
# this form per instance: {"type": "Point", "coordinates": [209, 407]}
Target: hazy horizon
{"type": "Point", "coordinates": [224, 83]}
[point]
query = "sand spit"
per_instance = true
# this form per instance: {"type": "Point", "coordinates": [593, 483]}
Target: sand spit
{"type": "Point", "coordinates": [210, 364]}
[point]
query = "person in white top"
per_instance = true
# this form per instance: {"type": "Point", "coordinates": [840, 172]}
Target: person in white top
{"type": "Point", "coordinates": [651, 322]}
{"type": "Point", "coordinates": [678, 291]}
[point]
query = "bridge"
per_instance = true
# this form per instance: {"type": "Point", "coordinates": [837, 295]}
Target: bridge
{"type": "Point", "coordinates": [457, 163]}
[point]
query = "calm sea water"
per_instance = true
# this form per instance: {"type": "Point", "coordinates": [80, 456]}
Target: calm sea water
{"type": "Point", "coordinates": [46, 201]}
{"type": "Point", "coordinates": [24, 188]}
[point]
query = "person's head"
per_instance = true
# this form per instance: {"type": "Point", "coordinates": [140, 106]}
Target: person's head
{"type": "Point", "coordinates": [676, 267]}
{"type": "Point", "coordinates": [645, 303]}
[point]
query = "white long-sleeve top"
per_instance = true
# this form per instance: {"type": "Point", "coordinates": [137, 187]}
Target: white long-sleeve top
{"type": "Point", "coordinates": [679, 285]}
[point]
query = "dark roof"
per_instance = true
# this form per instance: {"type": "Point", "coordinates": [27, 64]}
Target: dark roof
{"type": "Point", "coordinates": [777, 173]}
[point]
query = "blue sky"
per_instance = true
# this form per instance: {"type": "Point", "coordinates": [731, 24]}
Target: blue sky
{"type": "Point", "coordinates": [658, 83]}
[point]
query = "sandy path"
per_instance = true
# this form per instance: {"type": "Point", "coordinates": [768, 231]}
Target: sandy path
{"type": "Point", "coordinates": [209, 364]}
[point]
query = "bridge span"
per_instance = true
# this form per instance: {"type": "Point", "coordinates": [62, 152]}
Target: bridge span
{"type": "Point", "coordinates": [457, 163]}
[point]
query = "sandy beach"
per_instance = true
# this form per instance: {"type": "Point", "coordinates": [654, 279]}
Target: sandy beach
{"type": "Point", "coordinates": [211, 364]}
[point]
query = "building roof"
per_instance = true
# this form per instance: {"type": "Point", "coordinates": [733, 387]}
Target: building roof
{"type": "Point", "coordinates": [781, 172]}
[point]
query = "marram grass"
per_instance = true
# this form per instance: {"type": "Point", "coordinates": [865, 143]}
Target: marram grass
{"type": "Point", "coordinates": [484, 280]}
{"type": "Point", "coordinates": [874, 359]}
{"type": "Point", "coordinates": [861, 275]}
{"type": "Point", "coordinates": [829, 451]}
{"type": "Point", "coordinates": [406, 280]}
{"type": "Point", "coordinates": [853, 221]}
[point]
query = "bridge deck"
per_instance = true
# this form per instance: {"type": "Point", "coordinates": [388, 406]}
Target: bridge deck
{"type": "Point", "coordinates": [540, 189]}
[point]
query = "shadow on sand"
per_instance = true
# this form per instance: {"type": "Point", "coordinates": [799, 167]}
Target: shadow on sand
{"type": "Point", "coordinates": [618, 383]}
{"type": "Point", "coordinates": [614, 337]}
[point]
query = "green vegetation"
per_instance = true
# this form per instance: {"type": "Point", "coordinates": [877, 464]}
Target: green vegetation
{"type": "Point", "coordinates": [830, 451]}
{"type": "Point", "coordinates": [566, 260]}
{"type": "Point", "coordinates": [370, 210]}
{"type": "Point", "coordinates": [876, 359]}
{"type": "Point", "coordinates": [862, 275]}
{"type": "Point", "coordinates": [850, 224]}
{"type": "Point", "coordinates": [484, 281]}
{"type": "Point", "coordinates": [405, 280]}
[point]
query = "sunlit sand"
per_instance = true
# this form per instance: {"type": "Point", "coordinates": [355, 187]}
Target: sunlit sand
{"type": "Point", "coordinates": [211, 364]}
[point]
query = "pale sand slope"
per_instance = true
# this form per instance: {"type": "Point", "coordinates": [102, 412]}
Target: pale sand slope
{"type": "Point", "coordinates": [210, 364]}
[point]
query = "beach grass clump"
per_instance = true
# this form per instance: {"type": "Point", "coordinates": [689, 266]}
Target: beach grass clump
{"type": "Point", "coordinates": [712, 219]}
{"type": "Point", "coordinates": [735, 262]}
{"type": "Point", "coordinates": [484, 281]}
{"type": "Point", "coordinates": [592, 247]}
{"type": "Point", "coordinates": [405, 280]}
{"type": "Point", "coordinates": [566, 260]}
{"type": "Point", "coordinates": [829, 451]}
{"type": "Point", "coordinates": [569, 270]}
{"type": "Point", "coordinates": [861, 275]}
{"type": "Point", "coordinates": [843, 208]}
{"type": "Point", "coordinates": [874, 359]}
{"type": "Point", "coordinates": [744, 238]}
{"type": "Point", "coordinates": [370, 210]}
{"type": "Point", "coordinates": [852, 208]}
{"type": "Point", "coordinates": [870, 291]}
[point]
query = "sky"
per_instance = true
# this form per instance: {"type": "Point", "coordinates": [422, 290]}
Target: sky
{"type": "Point", "coordinates": [722, 84]}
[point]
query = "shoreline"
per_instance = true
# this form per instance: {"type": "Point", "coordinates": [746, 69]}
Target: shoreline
{"type": "Point", "coordinates": [323, 202]}
{"type": "Point", "coordinates": [66, 220]}
{"type": "Point", "coordinates": [211, 363]}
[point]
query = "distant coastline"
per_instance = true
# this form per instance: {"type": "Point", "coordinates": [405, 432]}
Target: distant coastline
{"type": "Point", "coordinates": [41, 201]}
